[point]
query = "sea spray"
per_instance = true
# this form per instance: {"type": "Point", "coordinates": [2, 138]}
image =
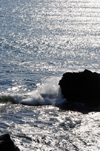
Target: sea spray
{"type": "Point", "coordinates": [46, 93]}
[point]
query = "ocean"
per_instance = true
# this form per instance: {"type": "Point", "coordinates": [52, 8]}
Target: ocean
{"type": "Point", "coordinates": [40, 40]}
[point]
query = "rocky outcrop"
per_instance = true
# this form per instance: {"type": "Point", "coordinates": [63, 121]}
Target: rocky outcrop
{"type": "Point", "coordinates": [6, 144]}
{"type": "Point", "coordinates": [81, 87]}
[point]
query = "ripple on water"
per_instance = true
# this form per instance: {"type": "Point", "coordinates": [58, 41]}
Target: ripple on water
{"type": "Point", "coordinates": [49, 128]}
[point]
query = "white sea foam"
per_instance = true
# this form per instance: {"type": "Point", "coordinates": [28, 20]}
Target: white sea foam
{"type": "Point", "coordinates": [47, 93]}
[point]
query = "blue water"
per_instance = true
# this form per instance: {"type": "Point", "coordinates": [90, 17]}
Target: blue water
{"type": "Point", "coordinates": [39, 41]}
{"type": "Point", "coordinates": [44, 39]}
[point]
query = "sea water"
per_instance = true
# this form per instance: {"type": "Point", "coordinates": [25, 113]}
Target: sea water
{"type": "Point", "coordinates": [40, 40]}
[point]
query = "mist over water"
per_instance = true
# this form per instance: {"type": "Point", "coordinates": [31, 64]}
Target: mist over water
{"type": "Point", "coordinates": [39, 41]}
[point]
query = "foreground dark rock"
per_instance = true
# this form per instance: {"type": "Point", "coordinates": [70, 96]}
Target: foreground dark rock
{"type": "Point", "coordinates": [6, 144]}
{"type": "Point", "coordinates": [81, 87]}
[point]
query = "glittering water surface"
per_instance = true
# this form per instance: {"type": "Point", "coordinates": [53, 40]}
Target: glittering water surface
{"type": "Point", "coordinates": [48, 128]}
{"type": "Point", "coordinates": [39, 41]}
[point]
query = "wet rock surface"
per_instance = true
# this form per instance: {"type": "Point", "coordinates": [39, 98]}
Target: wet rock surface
{"type": "Point", "coordinates": [6, 144]}
{"type": "Point", "coordinates": [81, 87]}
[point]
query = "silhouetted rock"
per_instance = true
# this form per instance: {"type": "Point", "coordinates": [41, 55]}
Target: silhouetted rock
{"type": "Point", "coordinates": [6, 144]}
{"type": "Point", "coordinates": [81, 87]}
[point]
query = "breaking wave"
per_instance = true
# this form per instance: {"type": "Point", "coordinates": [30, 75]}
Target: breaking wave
{"type": "Point", "coordinates": [47, 93]}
